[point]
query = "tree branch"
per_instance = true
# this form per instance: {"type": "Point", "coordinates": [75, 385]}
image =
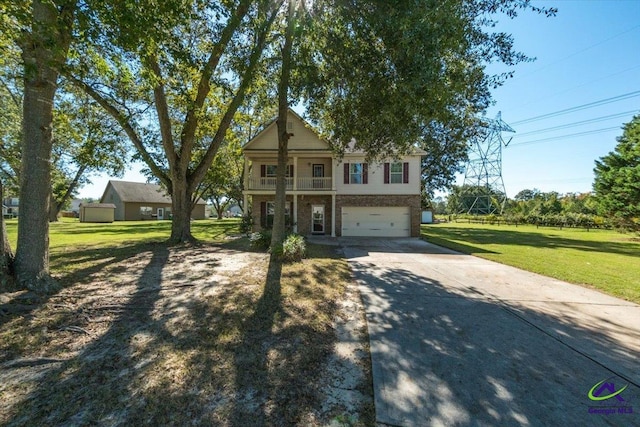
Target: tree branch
{"type": "Point", "coordinates": [187, 135]}
{"type": "Point", "coordinates": [126, 126]}
{"type": "Point", "coordinates": [162, 108]}
{"type": "Point", "coordinates": [247, 77]}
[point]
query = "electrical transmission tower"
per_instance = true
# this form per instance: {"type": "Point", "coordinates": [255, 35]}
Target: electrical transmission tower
{"type": "Point", "coordinates": [484, 191]}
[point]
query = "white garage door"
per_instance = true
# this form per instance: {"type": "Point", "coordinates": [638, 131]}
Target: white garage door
{"type": "Point", "coordinates": [376, 221]}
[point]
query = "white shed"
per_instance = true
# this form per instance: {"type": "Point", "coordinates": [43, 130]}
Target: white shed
{"type": "Point", "coordinates": [97, 212]}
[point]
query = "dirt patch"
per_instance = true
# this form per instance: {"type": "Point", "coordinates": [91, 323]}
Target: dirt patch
{"type": "Point", "coordinates": [187, 335]}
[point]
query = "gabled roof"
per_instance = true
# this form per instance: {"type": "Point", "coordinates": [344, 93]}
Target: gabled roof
{"type": "Point", "coordinates": [140, 192]}
{"type": "Point", "coordinates": [303, 137]}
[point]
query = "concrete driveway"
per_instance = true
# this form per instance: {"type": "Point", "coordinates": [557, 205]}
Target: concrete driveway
{"type": "Point", "coordinates": [457, 340]}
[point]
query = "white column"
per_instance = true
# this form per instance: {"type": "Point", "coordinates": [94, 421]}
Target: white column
{"type": "Point", "coordinates": [333, 215]}
{"type": "Point", "coordinates": [295, 208]}
{"type": "Point", "coordinates": [334, 166]}
{"type": "Point", "coordinates": [246, 174]}
{"type": "Point", "coordinates": [295, 174]}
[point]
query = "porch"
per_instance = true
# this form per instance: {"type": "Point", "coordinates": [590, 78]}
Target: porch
{"type": "Point", "coordinates": [293, 184]}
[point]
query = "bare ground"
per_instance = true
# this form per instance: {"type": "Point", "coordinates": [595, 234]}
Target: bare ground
{"type": "Point", "coordinates": [188, 335]}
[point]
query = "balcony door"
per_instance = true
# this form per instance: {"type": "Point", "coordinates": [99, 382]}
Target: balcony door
{"type": "Point", "coordinates": [318, 174]}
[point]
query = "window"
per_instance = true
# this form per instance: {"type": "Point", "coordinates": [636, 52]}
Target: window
{"type": "Point", "coordinates": [395, 173]}
{"type": "Point", "coordinates": [270, 209]}
{"type": "Point", "coordinates": [145, 211]}
{"type": "Point", "coordinates": [269, 171]}
{"type": "Point", "coordinates": [356, 173]}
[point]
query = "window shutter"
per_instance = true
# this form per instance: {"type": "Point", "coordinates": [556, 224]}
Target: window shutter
{"type": "Point", "coordinates": [263, 214]}
{"type": "Point", "coordinates": [405, 173]}
{"type": "Point", "coordinates": [290, 171]}
{"type": "Point", "coordinates": [365, 173]}
{"type": "Point", "coordinates": [386, 173]}
{"type": "Point", "coordinates": [263, 171]}
{"type": "Point", "coordinates": [346, 173]}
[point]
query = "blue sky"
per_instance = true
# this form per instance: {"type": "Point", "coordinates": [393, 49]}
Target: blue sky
{"type": "Point", "coordinates": [589, 52]}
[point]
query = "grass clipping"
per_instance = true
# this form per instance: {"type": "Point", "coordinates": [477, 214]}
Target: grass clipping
{"type": "Point", "coordinates": [177, 336]}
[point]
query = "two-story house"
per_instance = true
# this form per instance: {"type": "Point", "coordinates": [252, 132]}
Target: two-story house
{"type": "Point", "coordinates": [327, 195]}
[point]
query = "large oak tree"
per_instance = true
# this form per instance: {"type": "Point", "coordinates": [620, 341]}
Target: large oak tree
{"type": "Point", "coordinates": [163, 75]}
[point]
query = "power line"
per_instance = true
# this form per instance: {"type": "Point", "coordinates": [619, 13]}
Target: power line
{"type": "Point", "coordinates": [581, 107]}
{"type": "Point", "coordinates": [574, 124]}
{"type": "Point", "coordinates": [553, 138]}
{"type": "Point", "coordinates": [571, 55]}
{"type": "Point", "coordinates": [571, 89]}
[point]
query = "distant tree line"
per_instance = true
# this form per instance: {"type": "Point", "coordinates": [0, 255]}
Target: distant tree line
{"type": "Point", "coordinates": [614, 203]}
{"type": "Point", "coordinates": [529, 206]}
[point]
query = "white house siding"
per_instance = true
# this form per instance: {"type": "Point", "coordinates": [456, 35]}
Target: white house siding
{"type": "Point", "coordinates": [376, 183]}
{"type": "Point", "coordinates": [303, 138]}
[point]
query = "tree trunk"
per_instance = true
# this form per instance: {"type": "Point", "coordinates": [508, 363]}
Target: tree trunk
{"type": "Point", "coordinates": [278, 232]}
{"type": "Point", "coordinates": [54, 210]}
{"type": "Point", "coordinates": [181, 207]}
{"type": "Point", "coordinates": [6, 255]}
{"type": "Point", "coordinates": [43, 52]}
{"type": "Point", "coordinates": [56, 205]}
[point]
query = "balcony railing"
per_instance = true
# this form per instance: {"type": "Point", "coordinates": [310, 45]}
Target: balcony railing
{"type": "Point", "coordinates": [304, 184]}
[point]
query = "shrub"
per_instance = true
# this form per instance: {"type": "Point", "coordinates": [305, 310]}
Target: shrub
{"type": "Point", "coordinates": [261, 239]}
{"type": "Point", "coordinates": [246, 225]}
{"type": "Point", "coordinates": [294, 248]}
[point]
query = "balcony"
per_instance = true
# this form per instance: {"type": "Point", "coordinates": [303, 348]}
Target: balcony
{"type": "Point", "coordinates": [302, 184]}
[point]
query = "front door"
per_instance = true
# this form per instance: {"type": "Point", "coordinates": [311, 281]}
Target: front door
{"type": "Point", "coordinates": [160, 213]}
{"type": "Point", "coordinates": [317, 219]}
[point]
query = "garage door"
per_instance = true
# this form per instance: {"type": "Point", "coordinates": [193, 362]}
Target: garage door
{"type": "Point", "coordinates": [376, 221]}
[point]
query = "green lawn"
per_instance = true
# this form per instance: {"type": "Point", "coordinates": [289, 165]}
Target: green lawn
{"type": "Point", "coordinates": [72, 232]}
{"type": "Point", "coordinates": [76, 246]}
{"type": "Point", "coordinates": [606, 260]}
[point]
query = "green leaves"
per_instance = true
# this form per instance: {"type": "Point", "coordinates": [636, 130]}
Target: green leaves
{"type": "Point", "coordinates": [617, 178]}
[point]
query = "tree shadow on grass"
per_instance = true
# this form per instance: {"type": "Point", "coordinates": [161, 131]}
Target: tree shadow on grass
{"type": "Point", "coordinates": [227, 350]}
{"type": "Point", "coordinates": [83, 389]}
{"type": "Point", "coordinates": [96, 259]}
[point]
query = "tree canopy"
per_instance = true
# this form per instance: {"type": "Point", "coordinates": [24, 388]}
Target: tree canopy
{"type": "Point", "coordinates": [617, 178]}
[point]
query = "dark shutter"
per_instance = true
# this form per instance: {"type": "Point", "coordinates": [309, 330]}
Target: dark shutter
{"type": "Point", "coordinates": [405, 172]}
{"type": "Point", "coordinates": [263, 171]}
{"type": "Point", "coordinates": [290, 171]}
{"type": "Point", "coordinates": [346, 173]}
{"type": "Point", "coordinates": [386, 173]}
{"type": "Point", "coordinates": [365, 173]}
{"type": "Point", "coordinates": [263, 214]}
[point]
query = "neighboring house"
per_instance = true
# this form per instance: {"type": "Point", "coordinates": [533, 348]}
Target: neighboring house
{"type": "Point", "coordinates": [97, 212]}
{"type": "Point", "coordinates": [75, 205]}
{"type": "Point", "coordinates": [11, 204]}
{"type": "Point", "coordinates": [234, 211]}
{"type": "Point", "coordinates": [327, 195]}
{"type": "Point", "coordinates": [138, 201]}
